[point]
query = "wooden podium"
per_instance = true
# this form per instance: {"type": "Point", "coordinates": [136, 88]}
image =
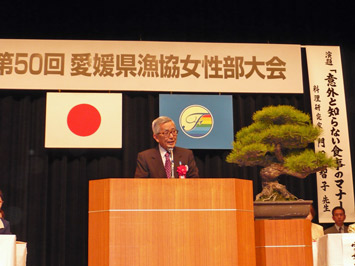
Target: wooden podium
{"type": "Point", "coordinates": [171, 222]}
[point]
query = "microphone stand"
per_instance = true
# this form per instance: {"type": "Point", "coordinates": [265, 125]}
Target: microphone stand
{"type": "Point", "coordinates": [172, 163]}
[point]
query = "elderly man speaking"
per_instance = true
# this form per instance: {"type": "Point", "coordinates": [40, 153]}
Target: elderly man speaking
{"type": "Point", "coordinates": [163, 161]}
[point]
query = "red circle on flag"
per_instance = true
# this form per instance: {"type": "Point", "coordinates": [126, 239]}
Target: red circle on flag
{"type": "Point", "coordinates": [84, 120]}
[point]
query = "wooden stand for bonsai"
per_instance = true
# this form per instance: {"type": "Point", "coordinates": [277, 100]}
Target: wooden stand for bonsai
{"type": "Point", "coordinates": [283, 242]}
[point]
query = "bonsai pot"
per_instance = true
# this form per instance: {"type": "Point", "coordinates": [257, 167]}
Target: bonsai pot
{"type": "Point", "coordinates": [298, 209]}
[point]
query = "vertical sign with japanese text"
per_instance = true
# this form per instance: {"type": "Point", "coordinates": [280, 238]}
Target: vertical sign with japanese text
{"type": "Point", "coordinates": [334, 186]}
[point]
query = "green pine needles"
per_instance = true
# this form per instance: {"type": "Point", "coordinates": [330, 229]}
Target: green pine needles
{"type": "Point", "coordinates": [278, 140]}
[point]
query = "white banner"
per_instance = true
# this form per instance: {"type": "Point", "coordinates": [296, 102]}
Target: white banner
{"type": "Point", "coordinates": [150, 66]}
{"type": "Point", "coordinates": [335, 187]}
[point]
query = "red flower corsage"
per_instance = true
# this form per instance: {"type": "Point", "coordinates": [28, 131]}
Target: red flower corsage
{"type": "Point", "coordinates": [182, 170]}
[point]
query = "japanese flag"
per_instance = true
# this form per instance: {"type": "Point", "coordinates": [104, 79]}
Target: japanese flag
{"type": "Point", "coordinates": [83, 120]}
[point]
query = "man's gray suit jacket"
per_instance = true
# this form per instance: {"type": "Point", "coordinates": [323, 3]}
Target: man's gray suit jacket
{"type": "Point", "coordinates": [333, 230]}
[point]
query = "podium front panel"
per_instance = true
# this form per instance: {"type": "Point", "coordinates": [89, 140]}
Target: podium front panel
{"type": "Point", "coordinates": [336, 249]}
{"type": "Point", "coordinates": [171, 222]}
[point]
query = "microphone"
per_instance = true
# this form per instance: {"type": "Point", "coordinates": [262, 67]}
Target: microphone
{"type": "Point", "coordinates": [172, 163]}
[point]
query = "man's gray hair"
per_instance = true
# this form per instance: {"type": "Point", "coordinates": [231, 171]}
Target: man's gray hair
{"type": "Point", "coordinates": [158, 121]}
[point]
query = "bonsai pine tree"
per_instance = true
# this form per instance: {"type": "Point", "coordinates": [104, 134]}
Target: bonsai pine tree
{"type": "Point", "coordinates": [278, 141]}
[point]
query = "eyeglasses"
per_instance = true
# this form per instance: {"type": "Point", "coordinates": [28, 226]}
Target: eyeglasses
{"type": "Point", "coordinates": [167, 133]}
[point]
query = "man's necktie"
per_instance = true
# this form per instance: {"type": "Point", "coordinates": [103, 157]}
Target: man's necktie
{"type": "Point", "coordinates": [340, 229]}
{"type": "Point", "coordinates": [167, 165]}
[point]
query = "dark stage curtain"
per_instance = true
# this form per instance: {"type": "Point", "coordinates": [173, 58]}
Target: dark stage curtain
{"type": "Point", "coordinates": [46, 190]}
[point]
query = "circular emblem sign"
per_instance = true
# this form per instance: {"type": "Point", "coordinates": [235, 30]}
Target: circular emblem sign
{"type": "Point", "coordinates": [196, 121]}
